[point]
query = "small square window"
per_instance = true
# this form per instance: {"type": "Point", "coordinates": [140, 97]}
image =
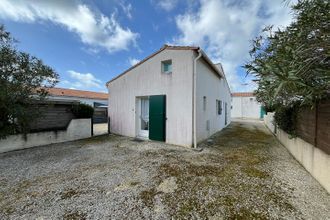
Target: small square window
{"type": "Point", "coordinates": [167, 66]}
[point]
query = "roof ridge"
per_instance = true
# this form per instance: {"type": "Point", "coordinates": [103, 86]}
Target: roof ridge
{"type": "Point", "coordinates": [56, 91]}
{"type": "Point", "coordinates": [77, 90]}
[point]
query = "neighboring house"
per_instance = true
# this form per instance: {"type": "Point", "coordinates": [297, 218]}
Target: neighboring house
{"type": "Point", "coordinates": [94, 99]}
{"type": "Point", "coordinates": [176, 95]}
{"type": "Point", "coordinates": [245, 105]}
{"type": "Point", "coordinates": [98, 100]}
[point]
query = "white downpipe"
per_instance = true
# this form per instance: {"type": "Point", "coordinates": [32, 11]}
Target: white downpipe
{"type": "Point", "coordinates": [194, 97]}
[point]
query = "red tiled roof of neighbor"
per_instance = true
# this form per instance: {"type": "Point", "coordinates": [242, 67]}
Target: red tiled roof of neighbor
{"type": "Point", "coordinates": [242, 94]}
{"type": "Point", "coordinates": [77, 93]}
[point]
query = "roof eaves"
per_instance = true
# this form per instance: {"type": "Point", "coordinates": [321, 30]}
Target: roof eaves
{"type": "Point", "coordinates": [212, 65]}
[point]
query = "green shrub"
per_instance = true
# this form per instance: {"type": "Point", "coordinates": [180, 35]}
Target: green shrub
{"type": "Point", "coordinates": [269, 108]}
{"type": "Point", "coordinates": [286, 119]}
{"type": "Point", "coordinates": [82, 110]}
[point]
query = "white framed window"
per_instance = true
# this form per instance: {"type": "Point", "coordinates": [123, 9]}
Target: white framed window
{"type": "Point", "coordinates": [167, 66]}
{"type": "Point", "coordinates": [204, 103]}
{"type": "Point", "coordinates": [219, 107]}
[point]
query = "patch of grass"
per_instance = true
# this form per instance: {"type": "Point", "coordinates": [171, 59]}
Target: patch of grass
{"type": "Point", "coordinates": [7, 209]}
{"type": "Point", "coordinates": [278, 198]}
{"type": "Point", "coordinates": [244, 156]}
{"type": "Point", "coordinates": [170, 169]}
{"type": "Point", "coordinates": [76, 215]}
{"type": "Point", "coordinates": [97, 139]}
{"type": "Point", "coordinates": [187, 208]}
{"type": "Point", "coordinates": [244, 213]}
{"type": "Point", "coordinates": [238, 134]}
{"type": "Point", "coordinates": [254, 172]}
{"type": "Point", "coordinates": [190, 169]}
{"type": "Point", "coordinates": [67, 194]}
{"type": "Point", "coordinates": [216, 182]}
{"type": "Point", "coordinates": [148, 196]}
{"type": "Point", "coordinates": [134, 183]}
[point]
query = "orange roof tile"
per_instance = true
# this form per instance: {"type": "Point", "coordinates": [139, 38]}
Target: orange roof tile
{"type": "Point", "coordinates": [242, 94]}
{"type": "Point", "coordinates": [77, 93]}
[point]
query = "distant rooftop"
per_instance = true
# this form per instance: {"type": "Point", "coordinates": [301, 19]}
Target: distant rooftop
{"type": "Point", "coordinates": [77, 93]}
{"type": "Point", "coordinates": [242, 94]}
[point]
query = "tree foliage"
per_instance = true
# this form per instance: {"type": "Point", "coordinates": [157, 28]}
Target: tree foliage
{"type": "Point", "coordinates": [24, 80]}
{"type": "Point", "coordinates": [292, 65]}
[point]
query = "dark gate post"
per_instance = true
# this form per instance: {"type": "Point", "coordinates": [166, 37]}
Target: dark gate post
{"type": "Point", "coordinates": [316, 123]}
{"type": "Point", "coordinates": [108, 125]}
{"type": "Point", "coordinates": [92, 129]}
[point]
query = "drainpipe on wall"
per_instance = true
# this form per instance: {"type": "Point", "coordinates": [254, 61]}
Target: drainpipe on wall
{"type": "Point", "coordinates": [194, 97]}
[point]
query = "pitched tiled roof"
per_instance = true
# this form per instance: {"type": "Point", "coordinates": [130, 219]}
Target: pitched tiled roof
{"type": "Point", "coordinates": [152, 55]}
{"type": "Point", "coordinates": [77, 93]}
{"type": "Point", "coordinates": [242, 94]}
{"type": "Point", "coordinates": [169, 47]}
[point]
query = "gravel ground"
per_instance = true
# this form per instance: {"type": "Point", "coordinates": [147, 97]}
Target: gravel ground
{"type": "Point", "coordinates": [242, 173]}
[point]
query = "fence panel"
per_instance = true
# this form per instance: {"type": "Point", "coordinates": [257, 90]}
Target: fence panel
{"type": "Point", "coordinates": [306, 125]}
{"type": "Point", "coordinates": [323, 127]}
{"type": "Point", "coordinates": [313, 126]}
{"type": "Point", "coordinates": [54, 116]}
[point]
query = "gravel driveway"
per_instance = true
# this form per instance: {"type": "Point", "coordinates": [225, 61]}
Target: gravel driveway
{"type": "Point", "coordinates": [242, 173]}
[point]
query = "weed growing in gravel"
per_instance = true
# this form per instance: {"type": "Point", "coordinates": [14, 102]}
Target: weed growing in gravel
{"type": "Point", "coordinates": [148, 196]}
{"type": "Point", "coordinates": [254, 172]}
{"type": "Point", "coordinates": [76, 215]}
{"type": "Point", "coordinates": [67, 194]}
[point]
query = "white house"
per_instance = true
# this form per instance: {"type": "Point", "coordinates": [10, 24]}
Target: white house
{"type": "Point", "coordinates": [176, 95]}
{"type": "Point", "coordinates": [245, 105]}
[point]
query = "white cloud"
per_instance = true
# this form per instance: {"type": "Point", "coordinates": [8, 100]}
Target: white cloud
{"type": "Point", "coordinates": [133, 61]}
{"type": "Point", "coordinates": [82, 81]}
{"type": "Point", "coordinates": [127, 8]}
{"type": "Point", "coordinates": [94, 29]}
{"type": "Point", "coordinates": [167, 5]}
{"type": "Point", "coordinates": [225, 28]}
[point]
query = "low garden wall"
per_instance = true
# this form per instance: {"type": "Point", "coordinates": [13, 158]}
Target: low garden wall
{"type": "Point", "coordinates": [77, 129]}
{"type": "Point", "coordinates": [313, 159]}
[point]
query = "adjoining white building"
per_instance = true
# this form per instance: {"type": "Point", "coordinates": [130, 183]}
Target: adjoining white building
{"type": "Point", "coordinates": [245, 105]}
{"type": "Point", "coordinates": [176, 95]}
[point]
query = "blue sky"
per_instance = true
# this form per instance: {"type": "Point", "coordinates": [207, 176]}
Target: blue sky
{"type": "Point", "coordinates": [89, 42]}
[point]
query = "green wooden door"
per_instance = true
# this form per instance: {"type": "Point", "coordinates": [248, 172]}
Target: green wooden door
{"type": "Point", "coordinates": [262, 112]}
{"type": "Point", "coordinates": [157, 117]}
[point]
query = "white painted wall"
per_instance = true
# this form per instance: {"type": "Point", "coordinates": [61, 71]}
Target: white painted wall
{"type": "Point", "coordinates": [146, 80]}
{"type": "Point", "coordinates": [82, 100]}
{"type": "Point", "coordinates": [214, 88]}
{"type": "Point", "coordinates": [77, 129]}
{"type": "Point", "coordinates": [314, 160]}
{"type": "Point", "coordinates": [245, 107]}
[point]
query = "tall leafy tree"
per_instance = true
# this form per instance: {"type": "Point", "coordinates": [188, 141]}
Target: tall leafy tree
{"type": "Point", "coordinates": [292, 65]}
{"type": "Point", "coordinates": [24, 80]}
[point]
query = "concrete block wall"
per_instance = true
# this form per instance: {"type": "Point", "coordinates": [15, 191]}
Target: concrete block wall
{"type": "Point", "coordinates": [77, 129]}
{"type": "Point", "coordinates": [314, 160]}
